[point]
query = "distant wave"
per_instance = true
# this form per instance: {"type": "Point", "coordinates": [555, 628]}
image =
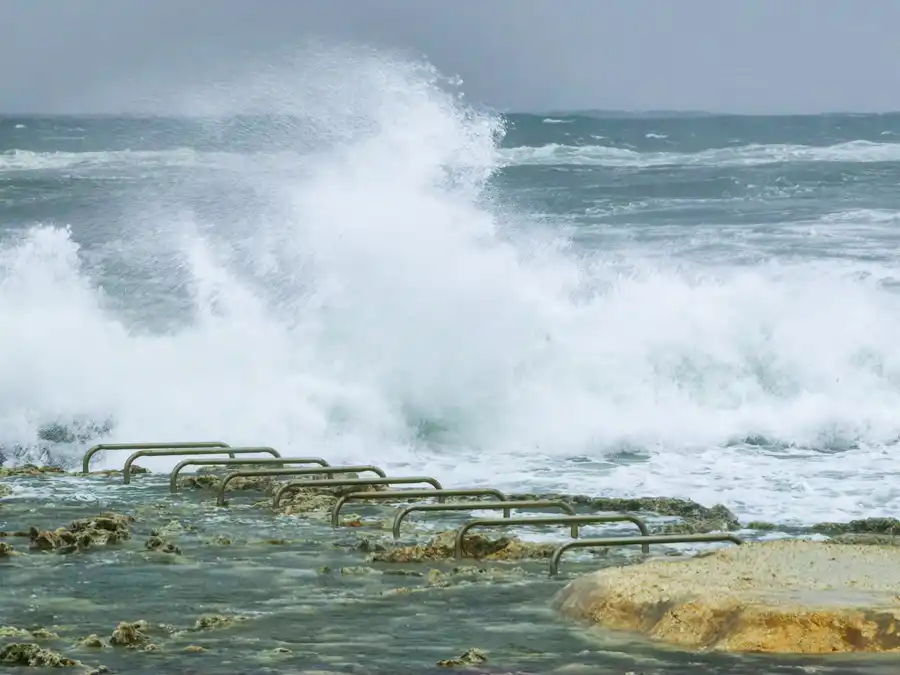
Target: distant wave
{"type": "Point", "coordinates": [28, 160]}
{"type": "Point", "coordinates": [745, 155]}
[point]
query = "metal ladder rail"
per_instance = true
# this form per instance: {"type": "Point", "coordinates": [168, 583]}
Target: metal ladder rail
{"type": "Point", "coordinates": [85, 462]}
{"type": "Point", "coordinates": [253, 473]}
{"type": "Point", "coordinates": [573, 521]}
{"type": "Point", "coordinates": [173, 476]}
{"type": "Point", "coordinates": [643, 541]}
{"type": "Point", "coordinates": [248, 450]}
{"type": "Point", "coordinates": [398, 495]}
{"type": "Point", "coordinates": [349, 482]}
{"type": "Point", "coordinates": [476, 506]}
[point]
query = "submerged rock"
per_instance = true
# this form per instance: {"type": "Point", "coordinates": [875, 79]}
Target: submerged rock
{"type": "Point", "coordinates": [889, 526]}
{"type": "Point", "coordinates": [784, 596]}
{"type": "Point", "coordinates": [30, 470]}
{"type": "Point", "coordinates": [92, 641]}
{"type": "Point", "coordinates": [160, 545]}
{"type": "Point", "coordinates": [5, 490]}
{"type": "Point", "coordinates": [34, 656]}
{"type": "Point", "coordinates": [215, 621]}
{"type": "Point", "coordinates": [37, 633]}
{"type": "Point", "coordinates": [6, 550]}
{"type": "Point", "coordinates": [470, 657]}
{"type": "Point", "coordinates": [83, 534]}
{"type": "Point", "coordinates": [130, 635]}
{"type": "Point", "coordinates": [474, 546]}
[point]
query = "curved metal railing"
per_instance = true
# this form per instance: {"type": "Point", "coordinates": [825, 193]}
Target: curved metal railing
{"type": "Point", "coordinates": [194, 448]}
{"type": "Point", "coordinates": [249, 450]}
{"type": "Point", "coordinates": [573, 521]}
{"type": "Point", "coordinates": [184, 445]}
{"type": "Point", "coordinates": [481, 506]}
{"type": "Point", "coordinates": [349, 482]}
{"type": "Point", "coordinates": [644, 541]}
{"type": "Point", "coordinates": [264, 473]}
{"type": "Point", "coordinates": [173, 476]}
{"type": "Point", "coordinates": [398, 495]}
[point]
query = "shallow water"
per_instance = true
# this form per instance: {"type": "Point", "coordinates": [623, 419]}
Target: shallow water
{"type": "Point", "coordinates": [304, 587]}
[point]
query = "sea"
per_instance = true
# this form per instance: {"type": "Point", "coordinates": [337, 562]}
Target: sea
{"type": "Point", "coordinates": [357, 262]}
{"type": "Point", "coordinates": [378, 270]}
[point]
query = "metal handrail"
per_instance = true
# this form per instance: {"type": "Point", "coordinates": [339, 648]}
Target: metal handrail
{"type": "Point", "coordinates": [126, 470]}
{"type": "Point", "coordinates": [85, 462]}
{"type": "Point", "coordinates": [644, 541]}
{"type": "Point", "coordinates": [574, 521]}
{"type": "Point", "coordinates": [391, 495]}
{"type": "Point", "coordinates": [249, 473]}
{"type": "Point", "coordinates": [173, 476]}
{"type": "Point", "coordinates": [396, 480]}
{"type": "Point", "coordinates": [476, 506]}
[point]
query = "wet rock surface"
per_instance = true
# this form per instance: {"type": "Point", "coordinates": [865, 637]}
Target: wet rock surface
{"type": "Point", "coordinates": [474, 546]}
{"type": "Point", "coordinates": [778, 597]}
{"type": "Point", "coordinates": [34, 656]}
{"type": "Point", "coordinates": [83, 534]}
{"type": "Point", "coordinates": [252, 591]}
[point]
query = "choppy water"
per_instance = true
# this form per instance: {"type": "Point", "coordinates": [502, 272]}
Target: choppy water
{"type": "Point", "coordinates": [349, 261]}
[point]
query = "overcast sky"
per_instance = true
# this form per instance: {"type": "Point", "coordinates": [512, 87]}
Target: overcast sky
{"type": "Point", "coordinates": [728, 55]}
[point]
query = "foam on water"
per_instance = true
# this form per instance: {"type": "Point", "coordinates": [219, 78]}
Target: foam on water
{"type": "Point", "coordinates": [742, 155]}
{"type": "Point", "coordinates": [383, 310]}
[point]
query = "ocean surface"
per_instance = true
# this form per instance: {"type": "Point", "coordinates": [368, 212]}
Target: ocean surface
{"type": "Point", "coordinates": [699, 306]}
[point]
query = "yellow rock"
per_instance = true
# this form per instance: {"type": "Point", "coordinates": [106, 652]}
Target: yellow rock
{"type": "Point", "coordinates": [781, 597]}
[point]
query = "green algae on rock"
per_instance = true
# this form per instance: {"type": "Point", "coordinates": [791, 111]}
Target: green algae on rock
{"type": "Point", "coordinates": [470, 657]}
{"type": "Point", "coordinates": [889, 526]}
{"type": "Point", "coordinates": [83, 534]}
{"type": "Point", "coordinates": [34, 656]}
{"type": "Point", "coordinates": [30, 470]}
{"type": "Point", "coordinates": [216, 621]}
{"type": "Point", "coordinates": [475, 546]}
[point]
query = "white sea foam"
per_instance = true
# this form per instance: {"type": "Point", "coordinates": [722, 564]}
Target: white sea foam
{"type": "Point", "coordinates": [743, 155]}
{"type": "Point", "coordinates": [381, 310]}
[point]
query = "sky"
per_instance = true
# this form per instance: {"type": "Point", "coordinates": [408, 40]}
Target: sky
{"type": "Point", "coordinates": [753, 56]}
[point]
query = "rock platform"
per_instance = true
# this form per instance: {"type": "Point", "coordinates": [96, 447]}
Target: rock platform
{"type": "Point", "coordinates": [788, 596]}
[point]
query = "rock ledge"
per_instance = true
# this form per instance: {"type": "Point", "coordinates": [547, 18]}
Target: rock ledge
{"type": "Point", "coordinates": [780, 597]}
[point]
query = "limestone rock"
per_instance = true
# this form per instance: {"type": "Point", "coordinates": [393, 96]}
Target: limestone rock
{"type": "Point", "coordinates": [474, 546]}
{"type": "Point", "coordinates": [34, 656]}
{"type": "Point", "coordinates": [780, 597]}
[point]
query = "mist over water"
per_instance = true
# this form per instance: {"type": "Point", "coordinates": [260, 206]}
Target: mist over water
{"type": "Point", "coordinates": [332, 263]}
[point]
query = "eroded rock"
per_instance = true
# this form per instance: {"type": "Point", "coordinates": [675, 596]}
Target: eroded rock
{"type": "Point", "coordinates": [475, 546]}
{"type": "Point", "coordinates": [888, 526]}
{"type": "Point", "coordinates": [784, 596]}
{"type": "Point", "coordinates": [160, 545]}
{"type": "Point", "coordinates": [30, 470]}
{"type": "Point", "coordinates": [35, 633]}
{"type": "Point", "coordinates": [216, 621]}
{"type": "Point", "coordinates": [34, 656]}
{"type": "Point", "coordinates": [130, 635]}
{"type": "Point", "coordinates": [470, 657]}
{"type": "Point", "coordinates": [83, 534]}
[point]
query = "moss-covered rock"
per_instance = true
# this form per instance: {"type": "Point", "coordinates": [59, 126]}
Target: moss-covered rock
{"type": "Point", "coordinates": [216, 621]}
{"type": "Point", "coordinates": [34, 656]}
{"type": "Point", "coordinates": [888, 526]}
{"type": "Point", "coordinates": [160, 545]}
{"type": "Point", "coordinates": [30, 470]}
{"type": "Point", "coordinates": [470, 657]}
{"type": "Point", "coordinates": [474, 546]}
{"type": "Point", "coordinates": [83, 534]}
{"type": "Point", "coordinates": [130, 635]}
